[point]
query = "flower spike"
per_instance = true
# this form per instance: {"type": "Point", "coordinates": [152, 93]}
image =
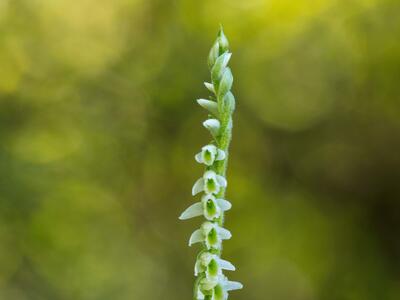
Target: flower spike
{"type": "Point", "coordinates": [211, 283]}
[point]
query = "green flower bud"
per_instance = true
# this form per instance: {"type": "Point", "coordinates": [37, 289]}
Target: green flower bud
{"type": "Point", "coordinates": [213, 55]}
{"type": "Point", "coordinates": [226, 82]}
{"type": "Point", "coordinates": [219, 66]}
{"type": "Point", "coordinates": [223, 41]}
{"type": "Point", "coordinates": [229, 102]}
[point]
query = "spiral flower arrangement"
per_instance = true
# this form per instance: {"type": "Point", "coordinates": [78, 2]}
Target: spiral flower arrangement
{"type": "Point", "coordinates": [211, 283]}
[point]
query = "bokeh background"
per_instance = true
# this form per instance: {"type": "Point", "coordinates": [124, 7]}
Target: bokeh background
{"type": "Point", "coordinates": [99, 126]}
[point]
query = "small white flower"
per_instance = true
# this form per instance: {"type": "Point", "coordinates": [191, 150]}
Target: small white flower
{"type": "Point", "coordinates": [217, 288]}
{"type": "Point", "coordinates": [213, 125]}
{"type": "Point", "coordinates": [209, 154]}
{"type": "Point", "coordinates": [209, 105]}
{"type": "Point", "coordinates": [210, 183]}
{"type": "Point", "coordinates": [209, 207]}
{"type": "Point", "coordinates": [211, 234]}
{"type": "Point", "coordinates": [212, 265]}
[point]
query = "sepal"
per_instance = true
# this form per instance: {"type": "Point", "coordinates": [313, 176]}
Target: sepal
{"type": "Point", "coordinates": [219, 66]}
{"type": "Point", "coordinates": [223, 41]}
{"type": "Point", "coordinates": [209, 105]}
{"type": "Point", "coordinates": [192, 211]}
{"type": "Point", "coordinates": [210, 87]}
{"type": "Point", "coordinates": [214, 53]}
{"type": "Point", "coordinates": [226, 82]}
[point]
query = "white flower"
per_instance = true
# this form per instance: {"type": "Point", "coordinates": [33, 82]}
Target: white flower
{"type": "Point", "coordinates": [211, 234]}
{"type": "Point", "coordinates": [212, 265]}
{"type": "Point", "coordinates": [209, 154]}
{"type": "Point", "coordinates": [210, 183]}
{"type": "Point", "coordinates": [210, 105]}
{"type": "Point", "coordinates": [209, 207]}
{"type": "Point", "coordinates": [217, 288]}
{"type": "Point", "coordinates": [213, 125]}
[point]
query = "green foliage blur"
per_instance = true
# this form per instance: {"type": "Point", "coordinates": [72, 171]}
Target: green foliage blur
{"type": "Point", "coordinates": [99, 127]}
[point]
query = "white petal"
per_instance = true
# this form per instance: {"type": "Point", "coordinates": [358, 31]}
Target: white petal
{"type": "Point", "coordinates": [198, 186]}
{"type": "Point", "coordinates": [220, 154]}
{"type": "Point", "coordinates": [211, 148]}
{"type": "Point", "coordinates": [232, 285]}
{"type": "Point", "coordinates": [224, 234]}
{"type": "Point", "coordinates": [211, 106]}
{"type": "Point", "coordinates": [198, 157]}
{"type": "Point", "coordinates": [208, 154]}
{"type": "Point", "coordinates": [226, 265]}
{"type": "Point", "coordinates": [196, 237]}
{"type": "Point", "coordinates": [222, 181]}
{"type": "Point", "coordinates": [192, 211]}
{"type": "Point", "coordinates": [210, 87]}
{"type": "Point", "coordinates": [200, 295]}
{"type": "Point", "coordinates": [224, 204]}
{"type": "Point", "coordinates": [210, 174]}
{"type": "Point", "coordinates": [212, 125]}
{"type": "Point", "coordinates": [206, 227]}
{"type": "Point", "coordinates": [208, 283]}
{"type": "Point", "coordinates": [196, 268]}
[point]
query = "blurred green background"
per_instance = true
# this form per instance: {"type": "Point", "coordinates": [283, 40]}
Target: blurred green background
{"type": "Point", "coordinates": [99, 127]}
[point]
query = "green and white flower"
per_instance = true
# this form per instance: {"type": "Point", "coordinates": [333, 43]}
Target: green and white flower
{"type": "Point", "coordinates": [209, 154]}
{"type": "Point", "coordinates": [211, 235]}
{"type": "Point", "coordinates": [212, 265]}
{"type": "Point", "coordinates": [210, 207]}
{"type": "Point", "coordinates": [216, 288]}
{"type": "Point", "coordinates": [210, 183]}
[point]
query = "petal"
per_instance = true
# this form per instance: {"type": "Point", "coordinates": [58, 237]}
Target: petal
{"type": "Point", "coordinates": [220, 293]}
{"type": "Point", "coordinates": [232, 285]}
{"type": "Point", "coordinates": [211, 148]}
{"type": "Point", "coordinates": [197, 268]}
{"type": "Point", "coordinates": [220, 154]}
{"type": "Point", "coordinates": [211, 106]}
{"type": "Point", "coordinates": [213, 125]}
{"type": "Point", "coordinates": [226, 265]}
{"type": "Point", "coordinates": [224, 204]}
{"type": "Point", "coordinates": [198, 157]}
{"type": "Point", "coordinates": [192, 211]}
{"type": "Point", "coordinates": [208, 283]}
{"type": "Point", "coordinates": [223, 233]}
{"type": "Point", "coordinates": [198, 186]}
{"type": "Point", "coordinates": [200, 295]}
{"type": "Point", "coordinates": [196, 237]}
{"type": "Point", "coordinates": [210, 87]}
{"type": "Point", "coordinates": [222, 181]}
{"type": "Point", "coordinates": [208, 155]}
{"type": "Point", "coordinates": [210, 174]}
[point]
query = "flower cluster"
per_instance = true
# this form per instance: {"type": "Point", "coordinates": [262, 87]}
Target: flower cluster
{"type": "Point", "coordinates": [211, 283]}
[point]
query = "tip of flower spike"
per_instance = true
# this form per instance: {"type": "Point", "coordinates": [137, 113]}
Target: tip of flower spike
{"type": "Point", "coordinates": [221, 29]}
